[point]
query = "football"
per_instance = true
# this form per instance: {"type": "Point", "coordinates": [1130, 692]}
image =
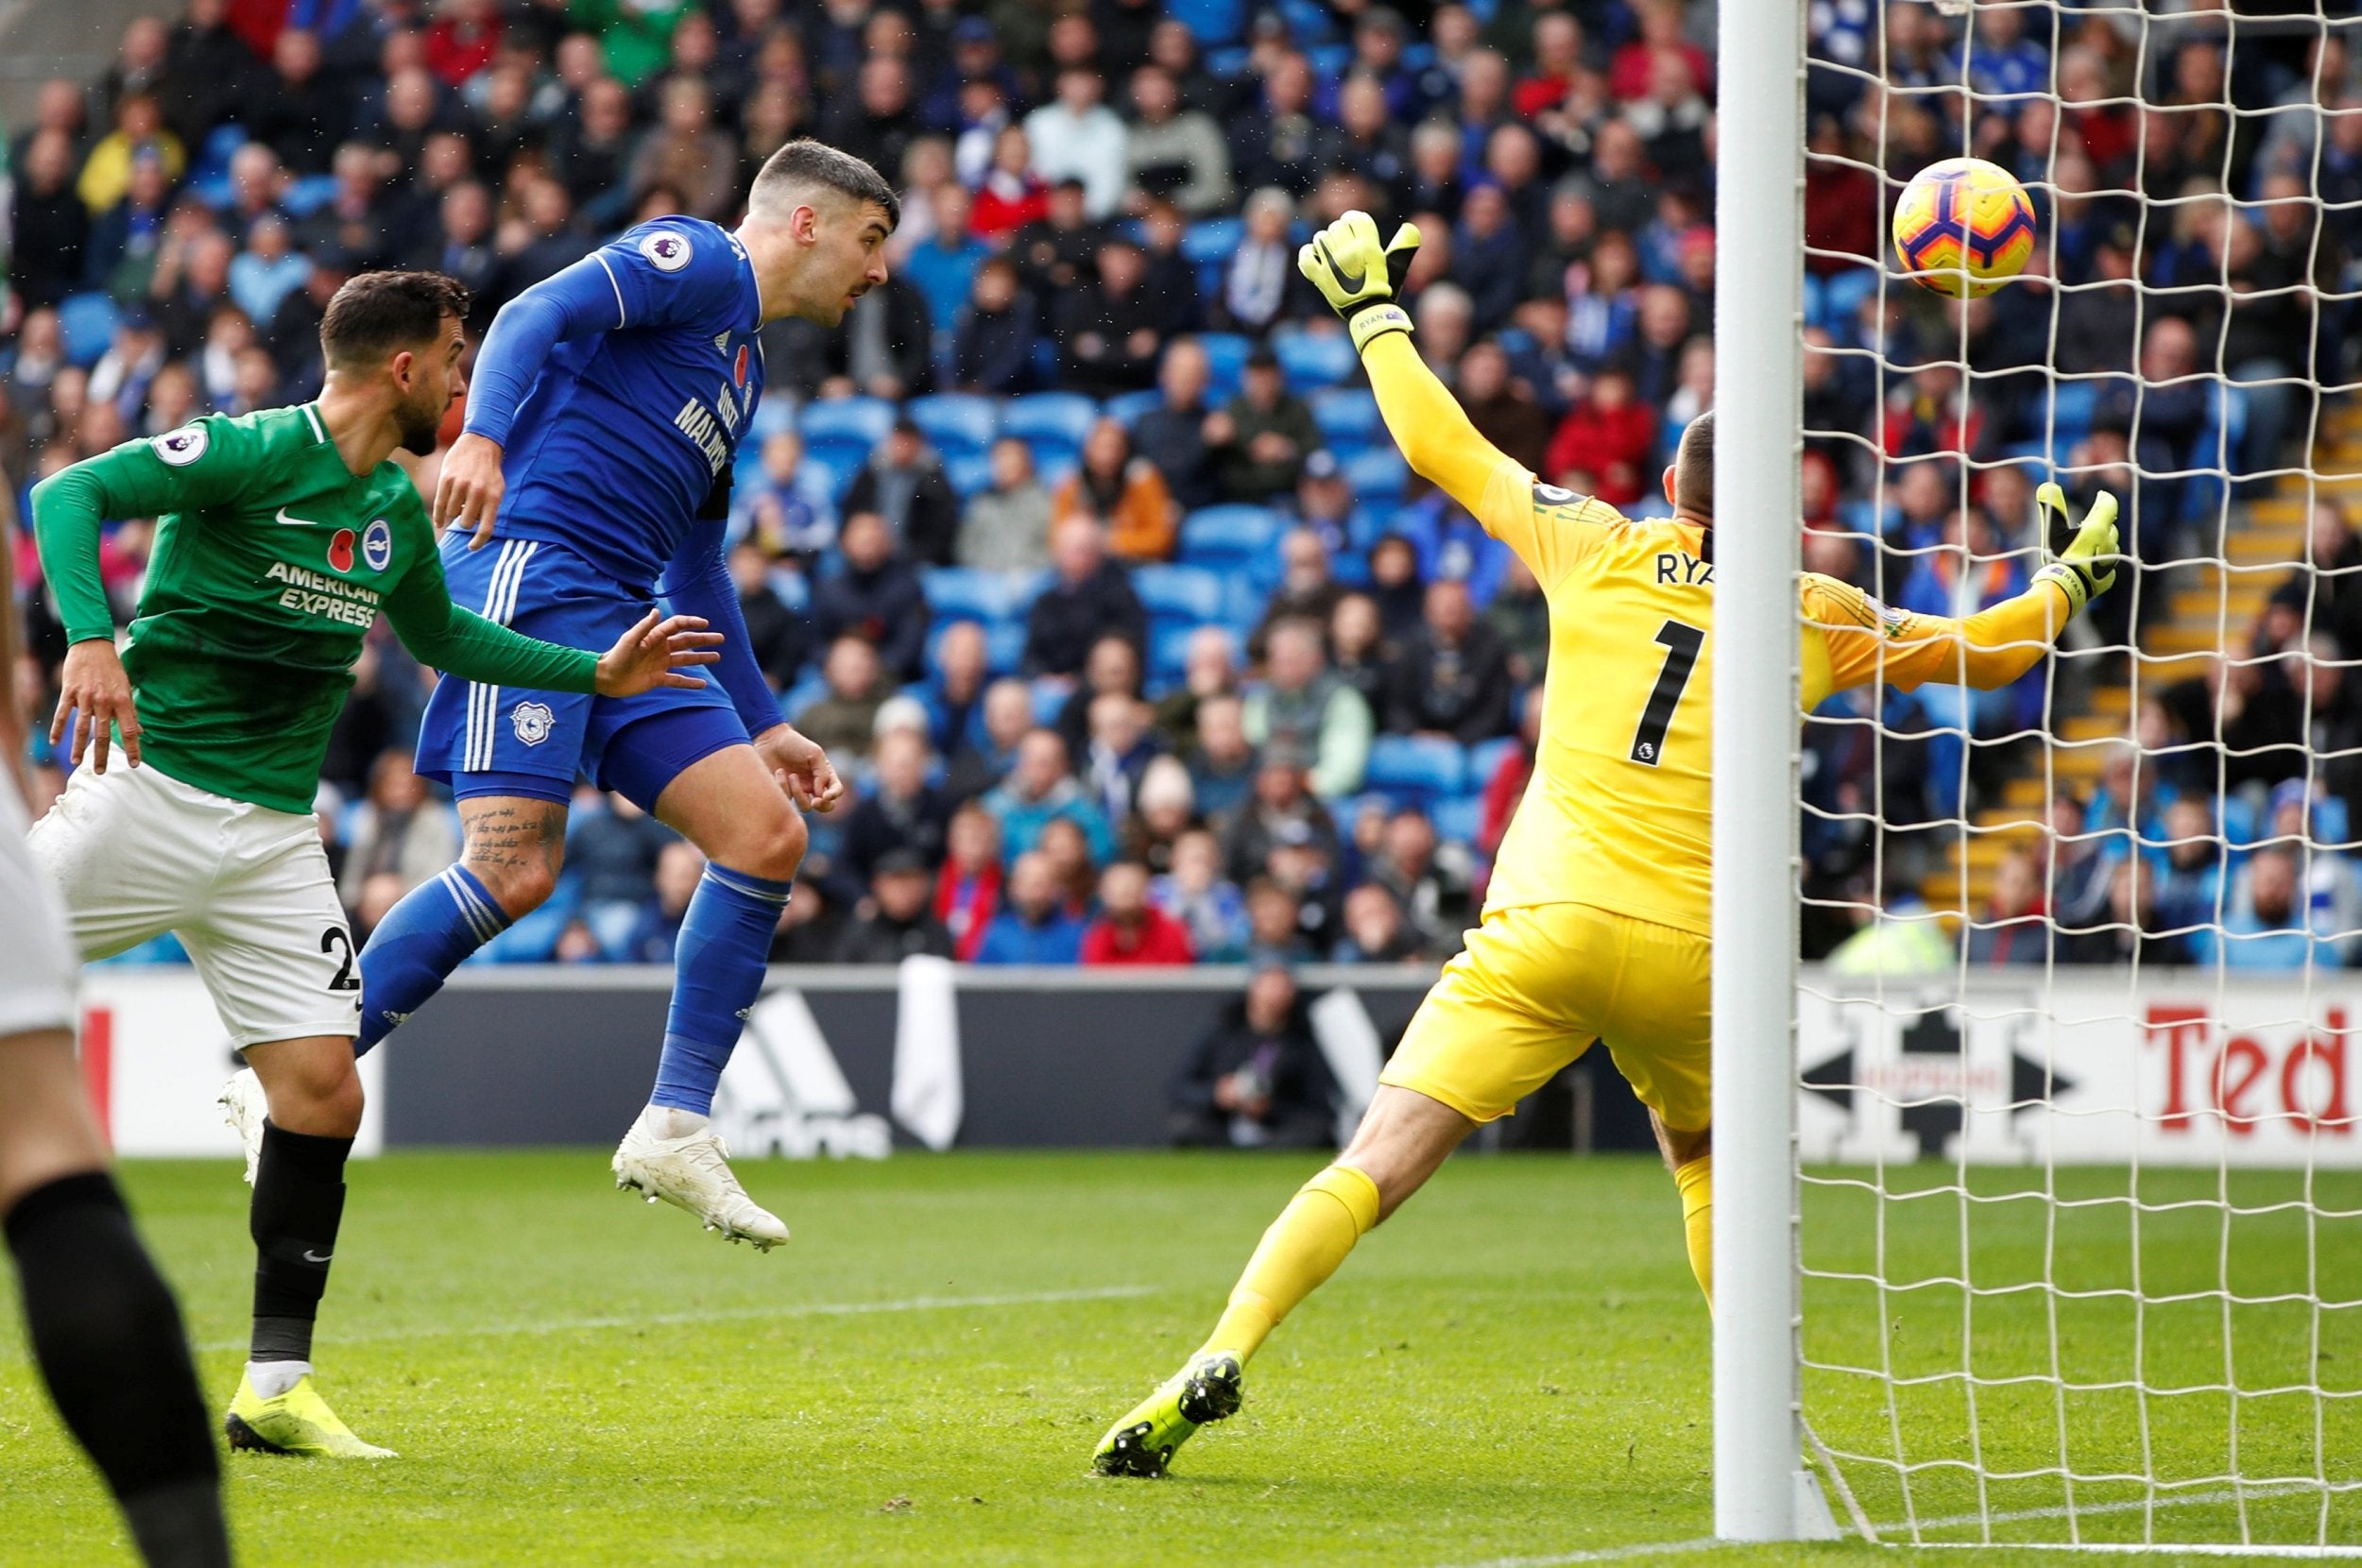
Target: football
{"type": "Point", "coordinates": [1963, 227]}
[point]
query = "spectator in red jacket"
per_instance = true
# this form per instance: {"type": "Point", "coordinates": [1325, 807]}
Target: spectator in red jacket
{"type": "Point", "coordinates": [1608, 436]}
{"type": "Point", "coordinates": [968, 889]}
{"type": "Point", "coordinates": [1129, 929]}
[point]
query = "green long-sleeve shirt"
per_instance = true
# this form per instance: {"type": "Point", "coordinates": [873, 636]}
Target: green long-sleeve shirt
{"type": "Point", "coordinates": [272, 560]}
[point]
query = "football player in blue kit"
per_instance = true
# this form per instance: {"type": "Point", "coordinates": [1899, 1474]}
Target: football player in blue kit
{"type": "Point", "coordinates": [593, 480]}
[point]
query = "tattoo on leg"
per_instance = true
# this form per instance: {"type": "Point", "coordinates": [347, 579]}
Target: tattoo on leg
{"type": "Point", "coordinates": [501, 839]}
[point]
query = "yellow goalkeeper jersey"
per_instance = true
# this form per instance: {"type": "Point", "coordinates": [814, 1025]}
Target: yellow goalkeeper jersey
{"type": "Point", "coordinates": [1618, 812]}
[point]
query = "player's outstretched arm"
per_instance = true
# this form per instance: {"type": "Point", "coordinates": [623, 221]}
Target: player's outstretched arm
{"type": "Point", "coordinates": [582, 299]}
{"type": "Point", "coordinates": [1361, 280]}
{"type": "Point", "coordinates": [1998, 643]}
{"type": "Point", "coordinates": [204, 464]}
{"type": "Point", "coordinates": [461, 642]}
{"type": "Point", "coordinates": [697, 581]}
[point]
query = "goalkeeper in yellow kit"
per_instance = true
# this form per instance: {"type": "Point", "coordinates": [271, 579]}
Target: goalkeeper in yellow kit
{"type": "Point", "coordinates": [1596, 925]}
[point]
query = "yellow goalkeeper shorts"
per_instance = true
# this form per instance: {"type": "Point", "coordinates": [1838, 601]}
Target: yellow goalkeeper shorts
{"type": "Point", "coordinates": [1537, 985]}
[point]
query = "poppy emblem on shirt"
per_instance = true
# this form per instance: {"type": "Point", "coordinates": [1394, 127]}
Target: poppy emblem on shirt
{"type": "Point", "coordinates": [340, 550]}
{"type": "Point", "coordinates": [738, 367]}
{"type": "Point", "coordinates": [377, 544]}
{"type": "Point", "coordinates": [666, 253]}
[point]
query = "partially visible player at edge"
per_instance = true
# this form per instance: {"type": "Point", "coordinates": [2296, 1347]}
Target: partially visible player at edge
{"type": "Point", "coordinates": [608, 404]}
{"type": "Point", "coordinates": [100, 1320]}
{"type": "Point", "coordinates": [283, 534]}
{"type": "Point", "coordinates": [1597, 921]}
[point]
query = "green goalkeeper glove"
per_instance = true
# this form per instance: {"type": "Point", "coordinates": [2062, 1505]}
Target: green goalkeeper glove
{"type": "Point", "coordinates": [1360, 277]}
{"type": "Point", "coordinates": [2079, 557]}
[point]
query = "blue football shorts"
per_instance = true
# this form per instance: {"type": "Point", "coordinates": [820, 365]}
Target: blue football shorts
{"type": "Point", "coordinates": [502, 739]}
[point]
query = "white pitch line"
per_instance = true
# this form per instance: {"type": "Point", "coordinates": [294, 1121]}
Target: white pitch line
{"type": "Point", "coordinates": [735, 1314]}
{"type": "Point", "coordinates": [1962, 1521]}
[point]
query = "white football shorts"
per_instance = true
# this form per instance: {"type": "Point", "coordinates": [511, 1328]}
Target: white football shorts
{"type": "Point", "coordinates": [36, 965]}
{"type": "Point", "coordinates": [133, 854]}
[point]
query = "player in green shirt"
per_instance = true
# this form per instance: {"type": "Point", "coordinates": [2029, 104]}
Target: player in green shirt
{"type": "Point", "coordinates": [281, 535]}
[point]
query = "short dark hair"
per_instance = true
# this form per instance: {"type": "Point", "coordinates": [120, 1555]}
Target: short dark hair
{"type": "Point", "coordinates": [379, 314]}
{"type": "Point", "coordinates": [1693, 468]}
{"type": "Point", "coordinates": [808, 162]}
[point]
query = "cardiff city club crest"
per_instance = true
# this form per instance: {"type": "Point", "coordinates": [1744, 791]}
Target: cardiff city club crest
{"type": "Point", "coordinates": [666, 253]}
{"type": "Point", "coordinates": [180, 446]}
{"type": "Point", "coordinates": [377, 544]}
{"type": "Point", "coordinates": [532, 722]}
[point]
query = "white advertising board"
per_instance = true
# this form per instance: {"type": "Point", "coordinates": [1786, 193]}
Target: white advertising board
{"type": "Point", "coordinates": [156, 1056]}
{"type": "Point", "coordinates": [2093, 1067]}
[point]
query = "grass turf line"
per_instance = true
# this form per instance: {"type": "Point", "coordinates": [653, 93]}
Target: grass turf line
{"type": "Point", "coordinates": [1514, 1368]}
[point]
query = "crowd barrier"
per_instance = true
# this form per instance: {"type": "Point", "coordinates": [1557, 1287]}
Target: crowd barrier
{"type": "Point", "coordinates": [2182, 1067]}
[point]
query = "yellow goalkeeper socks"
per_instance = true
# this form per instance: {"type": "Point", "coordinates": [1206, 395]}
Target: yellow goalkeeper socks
{"type": "Point", "coordinates": [1303, 1246]}
{"type": "Point", "coordinates": [1696, 1180]}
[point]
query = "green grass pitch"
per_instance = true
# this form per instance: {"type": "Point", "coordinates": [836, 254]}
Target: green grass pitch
{"type": "Point", "coordinates": [1515, 1367]}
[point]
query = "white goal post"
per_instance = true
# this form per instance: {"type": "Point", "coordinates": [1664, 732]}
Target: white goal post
{"type": "Point", "coordinates": [2064, 1253]}
{"type": "Point", "coordinates": [1759, 1486]}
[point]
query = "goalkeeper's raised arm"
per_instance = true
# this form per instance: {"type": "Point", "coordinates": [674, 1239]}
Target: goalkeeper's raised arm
{"type": "Point", "coordinates": [1361, 279]}
{"type": "Point", "coordinates": [1850, 638]}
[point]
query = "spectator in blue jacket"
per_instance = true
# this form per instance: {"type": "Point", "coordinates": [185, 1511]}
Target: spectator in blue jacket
{"type": "Point", "coordinates": [2263, 926]}
{"type": "Point", "coordinates": [1040, 788]}
{"type": "Point", "coordinates": [1033, 925]}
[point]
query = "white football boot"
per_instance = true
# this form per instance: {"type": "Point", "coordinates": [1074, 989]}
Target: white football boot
{"type": "Point", "coordinates": [694, 1173]}
{"type": "Point", "coordinates": [243, 1106]}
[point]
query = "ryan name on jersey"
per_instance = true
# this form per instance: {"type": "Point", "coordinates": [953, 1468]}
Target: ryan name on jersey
{"type": "Point", "coordinates": [1680, 569]}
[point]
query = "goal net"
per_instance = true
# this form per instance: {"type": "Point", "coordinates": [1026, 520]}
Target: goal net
{"type": "Point", "coordinates": [2078, 1091]}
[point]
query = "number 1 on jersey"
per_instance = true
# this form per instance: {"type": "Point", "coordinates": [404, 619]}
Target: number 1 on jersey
{"type": "Point", "coordinates": [1682, 644]}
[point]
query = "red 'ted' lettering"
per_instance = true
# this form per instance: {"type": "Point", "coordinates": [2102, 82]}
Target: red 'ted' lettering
{"type": "Point", "coordinates": [2178, 1028]}
{"type": "Point", "coordinates": [2330, 1052]}
{"type": "Point", "coordinates": [2238, 1070]}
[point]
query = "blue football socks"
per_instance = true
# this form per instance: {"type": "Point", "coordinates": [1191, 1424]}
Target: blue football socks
{"type": "Point", "coordinates": [718, 965]}
{"type": "Point", "coordinates": [417, 944]}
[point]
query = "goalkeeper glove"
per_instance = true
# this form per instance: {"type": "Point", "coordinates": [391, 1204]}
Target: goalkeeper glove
{"type": "Point", "coordinates": [1360, 277]}
{"type": "Point", "coordinates": [2079, 557]}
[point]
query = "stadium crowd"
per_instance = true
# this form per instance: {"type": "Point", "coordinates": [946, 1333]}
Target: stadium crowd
{"type": "Point", "coordinates": [1081, 545]}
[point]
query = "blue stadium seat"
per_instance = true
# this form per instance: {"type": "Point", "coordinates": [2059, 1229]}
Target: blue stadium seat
{"type": "Point", "coordinates": [1376, 473]}
{"type": "Point", "coordinates": [1415, 770]}
{"type": "Point", "coordinates": [1486, 757]}
{"type": "Point", "coordinates": [1309, 21]}
{"type": "Point", "coordinates": [841, 459]}
{"type": "Point", "coordinates": [861, 420]}
{"type": "Point", "coordinates": [87, 322]}
{"type": "Point", "coordinates": [1329, 60]}
{"type": "Point", "coordinates": [970, 472]}
{"type": "Point", "coordinates": [1053, 459]}
{"type": "Point", "coordinates": [1186, 595]}
{"type": "Point", "coordinates": [1313, 360]}
{"type": "Point", "coordinates": [956, 421]}
{"type": "Point", "coordinates": [1460, 819]}
{"type": "Point", "coordinates": [1226, 358]}
{"type": "Point", "coordinates": [1228, 63]}
{"type": "Point", "coordinates": [1347, 414]}
{"type": "Point", "coordinates": [1211, 239]}
{"type": "Point", "coordinates": [222, 143]}
{"type": "Point", "coordinates": [966, 592]}
{"type": "Point", "coordinates": [1842, 294]}
{"type": "Point", "coordinates": [1168, 655]}
{"type": "Point", "coordinates": [1065, 416]}
{"type": "Point", "coordinates": [1229, 536]}
{"type": "Point", "coordinates": [308, 196]}
{"type": "Point", "coordinates": [1129, 406]}
{"type": "Point", "coordinates": [772, 416]}
{"type": "Point", "coordinates": [1211, 22]}
{"type": "Point", "coordinates": [2073, 404]}
{"type": "Point", "coordinates": [1005, 643]}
